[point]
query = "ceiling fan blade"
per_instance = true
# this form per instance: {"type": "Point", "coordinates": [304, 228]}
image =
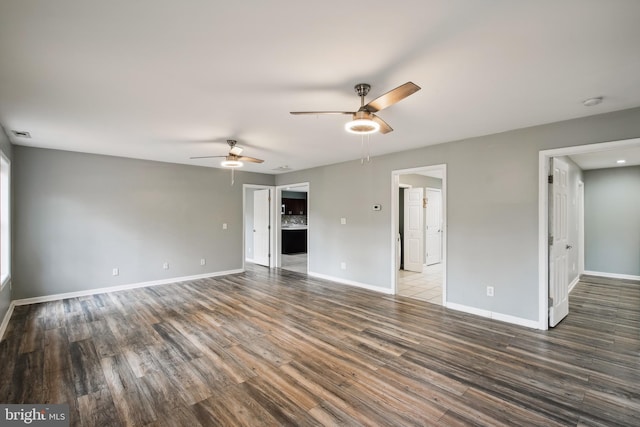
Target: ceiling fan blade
{"type": "Point", "coordinates": [205, 157]}
{"type": "Point", "coordinates": [321, 112]}
{"type": "Point", "coordinates": [235, 150]}
{"type": "Point", "coordinates": [250, 159]}
{"type": "Point", "coordinates": [391, 97]}
{"type": "Point", "coordinates": [384, 126]}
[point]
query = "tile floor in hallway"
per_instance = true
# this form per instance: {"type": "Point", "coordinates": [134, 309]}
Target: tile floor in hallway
{"type": "Point", "coordinates": [425, 286]}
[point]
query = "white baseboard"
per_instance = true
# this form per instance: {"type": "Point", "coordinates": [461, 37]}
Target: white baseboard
{"type": "Point", "coordinates": [5, 321]}
{"type": "Point", "coordinates": [574, 283]}
{"type": "Point", "coordinates": [611, 275]}
{"type": "Point", "coordinates": [351, 283]}
{"type": "Point", "coordinates": [55, 297]}
{"type": "Point", "coordinates": [534, 324]}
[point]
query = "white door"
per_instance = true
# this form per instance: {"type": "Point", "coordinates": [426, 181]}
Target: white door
{"type": "Point", "coordinates": [559, 244]}
{"type": "Point", "coordinates": [261, 199]}
{"type": "Point", "coordinates": [433, 220]}
{"type": "Point", "coordinates": [413, 229]}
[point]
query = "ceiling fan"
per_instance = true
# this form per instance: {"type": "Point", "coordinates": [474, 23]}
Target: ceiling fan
{"type": "Point", "coordinates": [233, 159]}
{"type": "Point", "coordinates": [364, 120]}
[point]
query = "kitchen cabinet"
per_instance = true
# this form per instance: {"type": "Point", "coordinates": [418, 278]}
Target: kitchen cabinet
{"type": "Point", "coordinates": [294, 241]}
{"type": "Point", "coordinates": [294, 206]}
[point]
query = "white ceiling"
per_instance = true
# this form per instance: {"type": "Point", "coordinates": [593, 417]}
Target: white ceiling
{"type": "Point", "coordinates": [608, 158]}
{"type": "Point", "coordinates": [162, 79]}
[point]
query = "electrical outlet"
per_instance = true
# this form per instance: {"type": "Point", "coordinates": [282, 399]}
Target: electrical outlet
{"type": "Point", "coordinates": [489, 291]}
{"type": "Point", "coordinates": [343, 265]}
{"type": "Point", "coordinates": [115, 272]}
{"type": "Point", "coordinates": [203, 261]}
{"type": "Point", "coordinates": [165, 265]}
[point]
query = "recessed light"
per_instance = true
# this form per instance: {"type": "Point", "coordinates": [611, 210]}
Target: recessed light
{"type": "Point", "coordinates": [21, 133]}
{"type": "Point", "coordinates": [621, 161]}
{"type": "Point", "coordinates": [592, 101]}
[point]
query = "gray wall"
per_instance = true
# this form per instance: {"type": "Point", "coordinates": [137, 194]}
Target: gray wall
{"type": "Point", "coordinates": [416, 180]}
{"type": "Point", "coordinates": [612, 220]}
{"type": "Point", "coordinates": [5, 295]}
{"type": "Point", "coordinates": [78, 216]}
{"type": "Point", "coordinates": [492, 207]}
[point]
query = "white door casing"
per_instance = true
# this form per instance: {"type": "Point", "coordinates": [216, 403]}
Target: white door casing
{"type": "Point", "coordinates": [261, 200]}
{"type": "Point", "coordinates": [559, 243]}
{"type": "Point", "coordinates": [433, 226]}
{"type": "Point", "coordinates": [413, 229]}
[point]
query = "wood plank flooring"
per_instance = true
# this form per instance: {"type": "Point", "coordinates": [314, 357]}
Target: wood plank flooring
{"type": "Point", "coordinates": [279, 348]}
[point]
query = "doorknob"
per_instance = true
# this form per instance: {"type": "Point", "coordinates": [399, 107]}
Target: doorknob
{"type": "Point", "coordinates": [569, 246]}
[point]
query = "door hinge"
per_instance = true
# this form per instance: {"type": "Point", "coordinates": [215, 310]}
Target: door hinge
{"type": "Point", "coordinates": [550, 179]}
{"type": "Point", "coordinates": [550, 240]}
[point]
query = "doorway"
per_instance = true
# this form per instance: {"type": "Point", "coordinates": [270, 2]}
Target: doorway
{"type": "Point", "coordinates": [551, 299]}
{"type": "Point", "coordinates": [293, 227]}
{"type": "Point", "coordinates": [258, 224]}
{"type": "Point", "coordinates": [419, 233]}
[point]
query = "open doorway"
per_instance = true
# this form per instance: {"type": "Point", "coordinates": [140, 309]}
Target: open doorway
{"type": "Point", "coordinates": [419, 233]}
{"type": "Point", "coordinates": [293, 242]}
{"type": "Point", "coordinates": [562, 211]}
{"type": "Point", "coordinates": [259, 220]}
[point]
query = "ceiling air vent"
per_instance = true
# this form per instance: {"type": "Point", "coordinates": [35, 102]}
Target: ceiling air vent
{"type": "Point", "coordinates": [282, 168]}
{"type": "Point", "coordinates": [21, 133]}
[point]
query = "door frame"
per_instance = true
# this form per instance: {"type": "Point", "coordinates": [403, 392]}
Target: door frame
{"type": "Point", "coordinates": [544, 157]}
{"type": "Point", "coordinates": [439, 190]}
{"type": "Point", "coordinates": [272, 221]}
{"type": "Point", "coordinates": [395, 213]}
{"type": "Point", "coordinates": [580, 228]}
{"type": "Point", "coordinates": [278, 225]}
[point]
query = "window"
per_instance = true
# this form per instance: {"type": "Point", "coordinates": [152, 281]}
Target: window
{"type": "Point", "coordinates": [5, 224]}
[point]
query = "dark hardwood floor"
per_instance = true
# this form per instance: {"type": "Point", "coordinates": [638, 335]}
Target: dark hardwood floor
{"type": "Point", "coordinates": [279, 348]}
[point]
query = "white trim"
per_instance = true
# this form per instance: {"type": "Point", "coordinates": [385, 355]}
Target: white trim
{"type": "Point", "coordinates": [611, 275]}
{"type": "Point", "coordinates": [351, 283]}
{"type": "Point", "coordinates": [55, 297]}
{"type": "Point", "coordinates": [543, 213]}
{"type": "Point", "coordinates": [7, 278]}
{"type": "Point", "coordinates": [249, 260]}
{"type": "Point", "coordinates": [5, 321]}
{"type": "Point", "coordinates": [574, 283]}
{"type": "Point", "coordinates": [494, 316]}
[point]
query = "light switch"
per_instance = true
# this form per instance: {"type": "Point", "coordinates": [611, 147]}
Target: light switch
{"type": "Point", "coordinates": [224, 226]}
{"type": "Point", "coordinates": [343, 221]}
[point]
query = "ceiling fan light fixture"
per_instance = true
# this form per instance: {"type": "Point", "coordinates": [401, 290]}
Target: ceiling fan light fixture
{"type": "Point", "coordinates": [362, 126]}
{"type": "Point", "coordinates": [231, 163]}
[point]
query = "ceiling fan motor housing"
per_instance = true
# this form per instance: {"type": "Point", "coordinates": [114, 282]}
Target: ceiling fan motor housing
{"type": "Point", "coordinates": [362, 89]}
